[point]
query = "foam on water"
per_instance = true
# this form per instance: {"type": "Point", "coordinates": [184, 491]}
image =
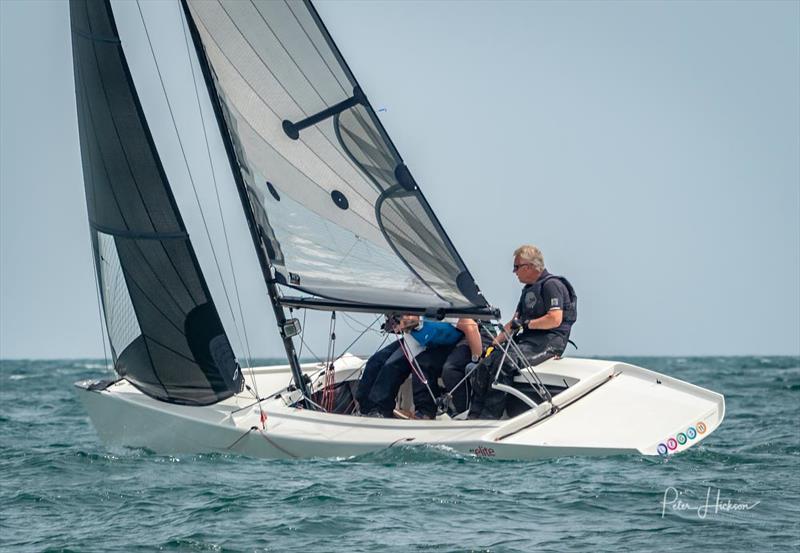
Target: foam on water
{"type": "Point", "coordinates": [61, 489]}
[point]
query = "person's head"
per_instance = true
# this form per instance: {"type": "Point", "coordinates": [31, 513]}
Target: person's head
{"type": "Point", "coordinates": [528, 263]}
{"type": "Point", "coordinates": [398, 323]}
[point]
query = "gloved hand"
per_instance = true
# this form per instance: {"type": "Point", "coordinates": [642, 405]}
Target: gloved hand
{"type": "Point", "coordinates": [509, 369]}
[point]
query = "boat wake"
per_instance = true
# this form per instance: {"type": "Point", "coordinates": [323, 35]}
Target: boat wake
{"type": "Point", "coordinates": [405, 454]}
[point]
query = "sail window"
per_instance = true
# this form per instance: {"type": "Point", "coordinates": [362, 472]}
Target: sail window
{"type": "Point", "coordinates": [340, 200]}
{"type": "Point", "coordinates": [123, 327]}
{"type": "Point", "coordinates": [273, 192]}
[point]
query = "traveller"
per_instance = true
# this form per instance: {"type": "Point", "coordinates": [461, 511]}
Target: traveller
{"type": "Point", "coordinates": [544, 316]}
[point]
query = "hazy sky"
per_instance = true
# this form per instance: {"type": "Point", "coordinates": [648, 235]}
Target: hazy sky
{"type": "Point", "coordinates": [652, 150]}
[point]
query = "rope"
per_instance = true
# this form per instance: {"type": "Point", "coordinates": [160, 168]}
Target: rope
{"type": "Point", "coordinates": [412, 361]}
{"type": "Point", "coordinates": [276, 446]}
{"type": "Point", "coordinates": [449, 395]}
{"type": "Point", "coordinates": [242, 437]}
{"type": "Point", "coordinates": [328, 390]}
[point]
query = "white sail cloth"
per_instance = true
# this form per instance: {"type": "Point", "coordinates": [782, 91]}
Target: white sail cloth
{"type": "Point", "coordinates": [341, 224]}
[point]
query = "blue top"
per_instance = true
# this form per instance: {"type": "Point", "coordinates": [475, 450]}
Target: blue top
{"type": "Point", "coordinates": [436, 333]}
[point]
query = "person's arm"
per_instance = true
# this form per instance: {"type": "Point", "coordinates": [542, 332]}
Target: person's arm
{"type": "Point", "coordinates": [507, 330]}
{"type": "Point", "coordinates": [473, 336]}
{"type": "Point", "coordinates": [552, 319]}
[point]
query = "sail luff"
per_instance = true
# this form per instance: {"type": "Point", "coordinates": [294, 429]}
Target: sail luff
{"type": "Point", "coordinates": [256, 233]}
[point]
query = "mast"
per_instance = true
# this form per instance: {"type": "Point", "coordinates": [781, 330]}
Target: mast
{"type": "Point", "coordinates": [255, 231]}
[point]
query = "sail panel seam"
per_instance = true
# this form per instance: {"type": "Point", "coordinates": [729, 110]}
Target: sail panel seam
{"type": "Point", "coordinates": [139, 235]}
{"type": "Point", "coordinates": [155, 305]}
{"type": "Point", "coordinates": [185, 159]}
{"type": "Point", "coordinates": [280, 83]}
{"type": "Point", "coordinates": [269, 107]}
{"type": "Point", "coordinates": [165, 183]}
{"type": "Point", "coordinates": [314, 44]}
{"type": "Point", "coordinates": [96, 38]}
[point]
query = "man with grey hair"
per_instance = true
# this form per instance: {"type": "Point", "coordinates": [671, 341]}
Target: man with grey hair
{"type": "Point", "coordinates": [545, 313]}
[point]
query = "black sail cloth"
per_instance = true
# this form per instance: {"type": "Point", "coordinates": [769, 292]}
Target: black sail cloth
{"type": "Point", "coordinates": [165, 332]}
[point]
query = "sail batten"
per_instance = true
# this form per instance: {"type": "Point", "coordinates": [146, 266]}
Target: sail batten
{"type": "Point", "coordinates": [328, 170]}
{"type": "Point", "coordinates": [349, 221]}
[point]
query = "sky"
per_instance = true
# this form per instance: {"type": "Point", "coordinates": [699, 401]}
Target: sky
{"type": "Point", "coordinates": [651, 149]}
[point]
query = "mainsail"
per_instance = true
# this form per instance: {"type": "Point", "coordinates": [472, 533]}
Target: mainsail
{"type": "Point", "coordinates": [339, 214]}
{"type": "Point", "coordinates": [165, 331]}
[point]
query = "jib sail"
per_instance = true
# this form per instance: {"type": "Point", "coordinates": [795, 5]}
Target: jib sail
{"type": "Point", "coordinates": [165, 331]}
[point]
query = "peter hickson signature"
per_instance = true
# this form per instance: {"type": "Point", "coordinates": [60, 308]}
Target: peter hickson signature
{"type": "Point", "coordinates": [673, 500]}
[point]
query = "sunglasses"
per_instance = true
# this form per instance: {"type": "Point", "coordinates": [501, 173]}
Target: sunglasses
{"type": "Point", "coordinates": [518, 267]}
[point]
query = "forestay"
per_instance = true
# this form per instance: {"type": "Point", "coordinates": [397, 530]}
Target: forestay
{"type": "Point", "coordinates": [340, 215]}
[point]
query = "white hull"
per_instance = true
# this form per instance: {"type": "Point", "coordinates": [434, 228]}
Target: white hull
{"type": "Point", "coordinates": [610, 408]}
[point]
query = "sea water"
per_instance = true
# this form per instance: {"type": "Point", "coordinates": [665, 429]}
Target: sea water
{"type": "Point", "coordinates": [61, 489]}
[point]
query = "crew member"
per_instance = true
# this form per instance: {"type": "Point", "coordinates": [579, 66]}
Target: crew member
{"type": "Point", "coordinates": [387, 369]}
{"type": "Point", "coordinates": [461, 362]}
{"type": "Point", "coordinates": [544, 316]}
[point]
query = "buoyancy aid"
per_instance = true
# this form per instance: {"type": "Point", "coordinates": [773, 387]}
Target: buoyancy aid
{"type": "Point", "coordinates": [532, 305]}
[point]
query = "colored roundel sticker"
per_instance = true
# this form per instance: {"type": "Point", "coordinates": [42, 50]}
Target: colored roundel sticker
{"type": "Point", "coordinates": [681, 438]}
{"type": "Point", "coordinates": [662, 449]}
{"type": "Point", "coordinates": [671, 443]}
{"type": "Point", "coordinates": [691, 432]}
{"type": "Point", "coordinates": [701, 427]}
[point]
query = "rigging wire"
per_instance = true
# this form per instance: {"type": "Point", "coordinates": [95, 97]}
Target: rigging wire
{"type": "Point", "coordinates": [344, 351]}
{"type": "Point", "coordinates": [302, 329]}
{"type": "Point", "coordinates": [183, 152]}
{"type": "Point", "coordinates": [194, 188]}
{"type": "Point", "coordinates": [302, 340]}
{"type": "Point", "coordinates": [359, 323]}
{"type": "Point", "coordinates": [248, 351]}
{"type": "Point", "coordinates": [216, 192]}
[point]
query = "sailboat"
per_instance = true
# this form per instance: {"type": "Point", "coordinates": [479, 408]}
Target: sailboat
{"type": "Point", "coordinates": [336, 222]}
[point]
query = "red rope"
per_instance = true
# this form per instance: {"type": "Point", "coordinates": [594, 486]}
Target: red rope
{"type": "Point", "coordinates": [411, 363]}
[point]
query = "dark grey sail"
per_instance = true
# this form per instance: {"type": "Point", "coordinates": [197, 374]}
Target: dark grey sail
{"type": "Point", "coordinates": [165, 332]}
{"type": "Point", "coordinates": [342, 217]}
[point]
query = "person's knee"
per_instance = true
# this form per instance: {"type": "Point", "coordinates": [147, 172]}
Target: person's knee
{"type": "Point", "coordinates": [451, 376]}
